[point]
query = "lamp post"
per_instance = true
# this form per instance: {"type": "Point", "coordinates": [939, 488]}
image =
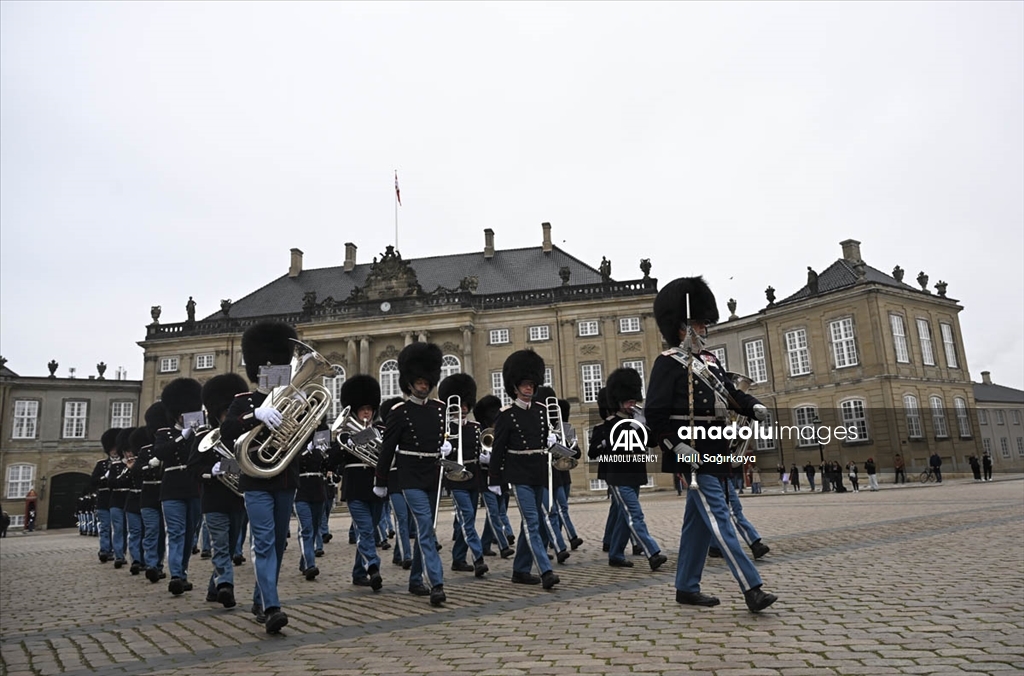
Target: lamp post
{"type": "Point", "coordinates": [821, 455]}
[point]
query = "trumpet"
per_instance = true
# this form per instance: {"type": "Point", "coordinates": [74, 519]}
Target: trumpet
{"type": "Point", "coordinates": [562, 457]}
{"type": "Point", "coordinates": [264, 453]}
{"type": "Point", "coordinates": [454, 470]}
{"type": "Point", "coordinates": [487, 440]}
{"type": "Point", "coordinates": [232, 472]}
{"type": "Point", "coordinates": [364, 440]}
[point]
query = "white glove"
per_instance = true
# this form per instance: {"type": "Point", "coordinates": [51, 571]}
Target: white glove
{"type": "Point", "coordinates": [446, 449]}
{"type": "Point", "coordinates": [761, 412]}
{"type": "Point", "coordinates": [552, 440]}
{"type": "Point", "coordinates": [270, 417]}
{"type": "Point", "coordinates": [495, 489]}
{"type": "Point", "coordinates": [485, 458]}
{"type": "Point", "coordinates": [106, 474]}
{"type": "Point", "coordinates": [216, 471]}
{"type": "Point", "coordinates": [186, 432]}
{"type": "Point", "coordinates": [380, 491]}
{"type": "Point", "coordinates": [154, 462]}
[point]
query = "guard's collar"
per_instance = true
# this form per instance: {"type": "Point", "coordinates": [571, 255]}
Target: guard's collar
{"type": "Point", "coordinates": [525, 405]}
{"type": "Point", "coordinates": [416, 400]}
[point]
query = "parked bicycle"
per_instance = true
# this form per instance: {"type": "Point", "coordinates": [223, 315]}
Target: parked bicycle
{"type": "Point", "coordinates": [927, 476]}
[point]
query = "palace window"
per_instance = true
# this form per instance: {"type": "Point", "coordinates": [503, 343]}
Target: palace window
{"type": "Point", "coordinates": [756, 366]}
{"type": "Point", "coordinates": [638, 366]}
{"type": "Point", "coordinates": [588, 328]}
{"type": "Point", "coordinates": [949, 345]}
{"type": "Point", "coordinates": [855, 418]}
{"type": "Point", "coordinates": [537, 333]}
{"type": "Point", "coordinates": [913, 416]}
{"type": "Point", "coordinates": [204, 361]}
{"type": "Point", "coordinates": [499, 336]}
{"type": "Point", "coordinates": [19, 481]}
{"type": "Point", "coordinates": [939, 418]}
{"type": "Point", "coordinates": [168, 364]}
{"type": "Point", "coordinates": [333, 385]}
{"type": "Point", "coordinates": [26, 418]}
{"type": "Point", "coordinates": [389, 380]}
{"type": "Point", "coordinates": [962, 421]}
{"type": "Point", "coordinates": [122, 414]}
{"type": "Point", "coordinates": [924, 334]}
{"type": "Point", "coordinates": [899, 339]}
{"type": "Point", "coordinates": [592, 382]}
{"type": "Point", "coordinates": [450, 364]}
{"type": "Point", "coordinates": [844, 348]}
{"type": "Point", "coordinates": [797, 352]}
{"type": "Point", "coordinates": [629, 325]}
{"type": "Point", "coordinates": [74, 419]}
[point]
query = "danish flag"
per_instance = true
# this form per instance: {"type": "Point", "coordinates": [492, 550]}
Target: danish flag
{"type": "Point", "coordinates": [398, 195]}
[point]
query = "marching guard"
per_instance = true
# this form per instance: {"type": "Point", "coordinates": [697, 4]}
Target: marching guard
{"type": "Point", "coordinates": [154, 534]}
{"type": "Point", "coordinates": [685, 390]}
{"type": "Point", "coordinates": [496, 526]}
{"type": "Point", "coordinates": [101, 484]}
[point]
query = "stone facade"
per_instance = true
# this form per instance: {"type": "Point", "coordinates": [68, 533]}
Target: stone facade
{"type": "Point", "coordinates": [1001, 420]}
{"type": "Point", "coordinates": [50, 432]}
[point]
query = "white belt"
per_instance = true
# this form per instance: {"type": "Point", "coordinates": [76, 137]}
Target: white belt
{"type": "Point", "coordinates": [121, 490]}
{"type": "Point", "coordinates": [697, 418]}
{"type": "Point", "coordinates": [134, 490]}
{"type": "Point", "coordinates": [420, 454]}
{"type": "Point", "coordinates": [532, 451]}
{"type": "Point", "coordinates": [359, 464]}
{"type": "Point", "coordinates": [311, 474]}
{"type": "Point", "coordinates": [171, 469]}
{"type": "Point", "coordinates": [152, 482]}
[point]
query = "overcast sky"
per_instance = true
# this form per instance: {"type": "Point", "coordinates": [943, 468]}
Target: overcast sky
{"type": "Point", "coordinates": [149, 152]}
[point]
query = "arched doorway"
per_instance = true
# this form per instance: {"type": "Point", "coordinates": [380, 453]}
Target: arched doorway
{"type": "Point", "coordinates": [65, 490]}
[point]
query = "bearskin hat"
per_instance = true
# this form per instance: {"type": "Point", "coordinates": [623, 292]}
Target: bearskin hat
{"type": "Point", "coordinates": [461, 385]}
{"type": "Point", "coordinates": [544, 392]}
{"type": "Point", "coordinates": [157, 418]}
{"type": "Point", "coordinates": [386, 406]}
{"type": "Point", "coordinates": [267, 343]}
{"type": "Point", "coordinates": [670, 306]}
{"type": "Point", "coordinates": [123, 443]}
{"type": "Point", "coordinates": [604, 408]}
{"type": "Point", "coordinates": [109, 439]}
{"type": "Point", "coordinates": [419, 360]}
{"type": "Point", "coordinates": [520, 366]}
{"type": "Point", "coordinates": [218, 393]}
{"type": "Point", "coordinates": [486, 410]}
{"type": "Point", "coordinates": [359, 391]}
{"type": "Point", "coordinates": [182, 395]}
{"type": "Point", "coordinates": [138, 439]}
{"type": "Point", "coordinates": [564, 406]}
{"type": "Point", "coordinates": [624, 384]}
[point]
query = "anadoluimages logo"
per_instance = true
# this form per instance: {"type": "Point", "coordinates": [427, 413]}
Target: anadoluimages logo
{"type": "Point", "coordinates": [629, 435]}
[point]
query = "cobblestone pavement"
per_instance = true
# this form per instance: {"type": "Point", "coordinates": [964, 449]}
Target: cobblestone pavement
{"type": "Point", "coordinates": [916, 580]}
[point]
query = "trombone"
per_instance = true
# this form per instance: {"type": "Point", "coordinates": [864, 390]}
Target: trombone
{"type": "Point", "coordinates": [560, 457]}
{"type": "Point", "coordinates": [453, 470]}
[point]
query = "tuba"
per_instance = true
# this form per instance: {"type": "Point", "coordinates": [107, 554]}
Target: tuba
{"type": "Point", "coordinates": [562, 457]}
{"type": "Point", "coordinates": [232, 473]}
{"type": "Point", "coordinates": [454, 470]}
{"type": "Point", "coordinates": [263, 453]}
{"type": "Point", "coordinates": [364, 439]}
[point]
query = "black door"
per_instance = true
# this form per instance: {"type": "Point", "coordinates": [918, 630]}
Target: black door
{"type": "Point", "coordinates": [65, 490]}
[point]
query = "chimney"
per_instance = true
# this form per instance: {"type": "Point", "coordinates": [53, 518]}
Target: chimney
{"type": "Point", "coordinates": [296, 266]}
{"type": "Point", "coordinates": [851, 250]}
{"type": "Point", "coordinates": [350, 256]}
{"type": "Point", "coordinates": [546, 246]}
{"type": "Point", "coordinates": [488, 244]}
{"type": "Point", "coordinates": [986, 377]}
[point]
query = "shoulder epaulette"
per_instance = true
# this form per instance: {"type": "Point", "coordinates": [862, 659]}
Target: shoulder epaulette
{"type": "Point", "coordinates": [670, 351]}
{"type": "Point", "coordinates": [398, 405]}
{"type": "Point", "coordinates": [242, 394]}
{"type": "Point", "coordinates": [505, 407]}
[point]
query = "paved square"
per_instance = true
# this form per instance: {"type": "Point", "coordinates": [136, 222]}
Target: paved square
{"type": "Point", "coordinates": [916, 580]}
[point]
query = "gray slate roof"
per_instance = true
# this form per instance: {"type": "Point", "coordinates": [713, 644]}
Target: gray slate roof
{"type": "Point", "coordinates": [997, 394]}
{"type": "Point", "coordinates": [509, 270]}
{"type": "Point", "coordinates": [841, 275]}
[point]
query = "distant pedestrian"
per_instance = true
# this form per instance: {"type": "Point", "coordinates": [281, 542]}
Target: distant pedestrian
{"type": "Point", "coordinates": [794, 477]}
{"type": "Point", "coordinates": [936, 464]}
{"type": "Point", "coordinates": [986, 463]}
{"type": "Point", "coordinates": [975, 467]}
{"type": "Point", "coordinates": [870, 468]}
{"type": "Point", "coordinates": [31, 524]}
{"type": "Point", "coordinates": [899, 468]}
{"type": "Point", "coordinates": [809, 471]}
{"type": "Point", "coordinates": [5, 522]}
{"type": "Point", "coordinates": [755, 481]}
{"type": "Point", "coordinates": [851, 467]}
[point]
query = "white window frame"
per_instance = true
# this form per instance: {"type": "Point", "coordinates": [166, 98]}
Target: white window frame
{"type": "Point", "coordinates": [1000, 417]}
{"type": "Point", "coordinates": [804, 416]}
{"type": "Point", "coordinates": [924, 335]}
{"type": "Point", "coordinates": [962, 420]}
{"type": "Point", "coordinates": [548, 376]}
{"type": "Point", "coordinates": [638, 366]}
{"type": "Point", "coordinates": [500, 337]}
{"type": "Point", "coordinates": [389, 377]}
{"type": "Point", "coordinates": [333, 385]}
{"type": "Point", "coordinates": [598, 485]}
{"type": "Point", "coordinates": [629, 325]}
{"type": "Point", "coordinates": [119, 416]}
{"type": "Point", "coordinates": [757, 366]}
{"type": "Point", "coordinates": [949, 344]}
{"type": "Point", "coordinates": [939, 417]}
{"type": "Point", "coordinates": [844, 342]}
{"type": "Point", "coordinates": [591, 382]}
{"type": "Point", "coordinates": [539, 333]}
{"type": "Point", "coordinates": [797, 352]}
{"type": "Point", "coordinates": [588, 328]}
{"type": "Point", "coordinates": [986, 445]}
{"type": "Point", "coordinates": [17, 487]}
{"type": "Point", "coordinates": [498, 388]}
{"type": "Point", "coordinates": [982, 416]}
{"type": "Point", "coordinates": [899, 338]}
{"type": "Point", "coordinates": [913, 413]}
{"type": "Point", "coordinates": [450, 365]}
{"type": "Point", "coordinates": [26, 419]}
{"type": "Point", "coordinates": [766, 444]}
{"type": "Point", "coordinates": [17, 520]}
{"type": "Point", "coordinates": [1020, 446]}
{"type": "Point", "coordinates": [1015, 416]}
{"type": "Point", "coordinates": [205, 361]}
{"type": "Point", "coordinates": [169, 364]}
{"type": "Point", "coordinates": [855, 414]}
{"type": "Point", "coordinates": [719, 353]}
{"type": "Point", "coordinates": [1004, 447]}
{"type": "Point", "coordinates": [76, 414]}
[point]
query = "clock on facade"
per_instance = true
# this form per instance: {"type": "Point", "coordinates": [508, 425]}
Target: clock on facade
{"type": "Point", "coordinates": [385, 306]}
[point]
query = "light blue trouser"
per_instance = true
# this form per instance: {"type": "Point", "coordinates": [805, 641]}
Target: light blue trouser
{"type": "Point", "coordinates": [562, 511]}
{"type": "Point", "coordinates": [269, 515]}
{"type": "Point", "coordinates": [494, 525]}
{"type": "Point", "coordinates": [466, 538]}
{"type": "Point", "coordinates": [630, 524]}
{"type": "Point", "coordinates": [180, 520]}
{"type": "Point", "coordinates": [118, 537]}
{"type": "Point", "coordinates": [426, 562]}
{"type": "Point", "coordinates": [707, 520]}
{"type": "Point", "coordinates": [223, 532]}
{"type": "Point", "coordinates": [103, 517]}
{"type": "Point", "coordinates": [135, 535]}
{"type": "Point", "coordinates": [309, 514]}
{"type": "Point", "coordinates": [364, 515]}
{"type": "Point", "coordinates": [154, 540]}
{"type": "Point", "coordinates": [403, 551]}
{"type": "Point", "coordinates": [530, 549]}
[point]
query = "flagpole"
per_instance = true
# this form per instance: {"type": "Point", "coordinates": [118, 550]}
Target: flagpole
{"type": "Point", "coordinates": [396, 209]}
